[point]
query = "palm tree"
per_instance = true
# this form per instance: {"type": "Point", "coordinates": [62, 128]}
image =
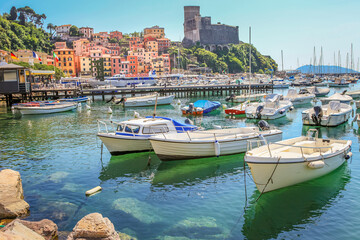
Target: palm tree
{"type": "Point", "coordinates": [51, 27]}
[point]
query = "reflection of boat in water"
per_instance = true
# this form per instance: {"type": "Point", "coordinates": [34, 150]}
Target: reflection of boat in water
{"type": "Point", "coordinates": [283, 210]}
{"type": "Point", "coordinates": [185, 172]}
{"type": "Point", "coordinates": [129, 165]}
{"type": "Point", "coordinates": [333, 132]}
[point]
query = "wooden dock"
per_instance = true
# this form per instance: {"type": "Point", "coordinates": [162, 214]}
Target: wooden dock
{"type": "Point", "coordinates": [178, 91]}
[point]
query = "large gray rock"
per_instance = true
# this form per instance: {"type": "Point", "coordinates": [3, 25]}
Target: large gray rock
{"type": "Point", "coordinates": [12, 204]}
{"type": "Point", "coordinates": [16, 230]}
{"type": "Point", "coordinates": [94, 226]}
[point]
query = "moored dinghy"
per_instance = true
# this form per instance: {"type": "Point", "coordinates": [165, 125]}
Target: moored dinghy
{"type": "Point", "coordinates": [299, 98]}
{"type": "Point", "coordinates": [143, 101]}
{"type": "Point", "coordinates": [200, 107]}
{"type": "Point", "coordinates": [272, 108]}
{"type": "Point", "coordinates": [245, 97]}
{"type": "Point", "coordinates": [289, 162]}
{"type": "Point", "coordinates": [35, 108]}
{"type": "Point", "coordinates": [210, 143]}
{"type": "Point", "coordinates": [330, 115]}
{"type": "Point", "coordinates": [319, 92]}
{"type": "Point", "coordinates": [341, 97]}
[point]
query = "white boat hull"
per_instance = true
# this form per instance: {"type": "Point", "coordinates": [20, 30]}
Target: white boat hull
{"type": "Point", "coordinates": [287, 174]}
{"type": "Point", "coordinates": [117, 144]}
{"type": "Point", "coordinates": [168, 150]}
{"type": "Point", "coordinates": [327, 121]}
{"type": "Point", "coordinates": [45, 109]}
{"type": "Point", "coordinates": [150, 101]}
{"type": "Point", "coordinates": [251, 97]}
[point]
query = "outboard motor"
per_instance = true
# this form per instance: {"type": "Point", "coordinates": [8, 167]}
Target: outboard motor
{"type": "Point", "coordinates": [317, 115]}
{"type": "Point", "coordinates": [343, 93]}
{"type": "Point", "coordinates": [230, 98]}
{"type": "Point", "coordinates": [263, 125]}
{"type": "Point", "coordinates": [191, 108]}
{"type": "Point", "coordinates": [258, 111]}
{"type": "Point", "coordinates": [188, 121]}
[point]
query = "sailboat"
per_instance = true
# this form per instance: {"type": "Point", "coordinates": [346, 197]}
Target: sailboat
{"type": "Point", "coordinates": [244, 97]}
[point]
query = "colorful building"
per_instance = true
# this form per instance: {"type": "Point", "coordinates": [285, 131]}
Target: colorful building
{"type": "Point", "coordinates": [151, 46]}
{"type": "Point", "coordinates": [163, 44]}
{"type": "Point", "coordinates": [155, 31]}
{"type": "Point", "coordinates": [135, 43]}
{"type": "Point", "coordinates": [116, 34]}
{"type": "Point", "coordinates": [68, 63]}
{"type": "Point", "coordinates": [62, 30]}
{"type": "Point", "coordinates": [116, 65]}
{"type": "Point", "coordinates": [133, 64]}
{"type": "Point", "coordinates": [85, 65]}
{"type": "Point", "coordinates": [27, 56]}
{"type": "Point", "coordinates": [86, 32]}
{"type": "Point", "coordinates": [80, 46]}
{"type": "Point", "coordinates": [60, 45]}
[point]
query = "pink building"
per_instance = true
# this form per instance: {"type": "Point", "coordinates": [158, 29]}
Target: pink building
{"type": "Point", "coordinates": [163, 44]}
{"type": "Point", "coordinates": [135, 43]}
{"type": "Point", "coordinates": [86, 31]}
{"type": "Point", "coordinates": [60, 45]}
{"type": "Point", "coordinates": [116, 34]}
{"type": "Point", "coordinates": [114, 49]}
{"type": "Point", "coordinates": [115, 65]}
{"type": "Point", "coordinates": [81, 46]}
{"type": "Point", "coordinates": [125, 67]}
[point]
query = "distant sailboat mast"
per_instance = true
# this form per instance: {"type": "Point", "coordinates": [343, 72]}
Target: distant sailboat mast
{"type": "Point", "coordinates": [250, 61]}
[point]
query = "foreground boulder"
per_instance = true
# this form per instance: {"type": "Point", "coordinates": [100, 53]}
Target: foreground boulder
{"type": "Point", "coordinates": [46, 228]}
{"type": "Point", "coordinates": [16, 230]}
{"type": "Point", "coordinates": [12, 204]}
{"type": "Point", "coordinates": [94, 226]}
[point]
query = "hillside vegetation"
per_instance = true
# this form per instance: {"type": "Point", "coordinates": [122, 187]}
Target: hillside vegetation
{"type": "Point", "coordinates": [232, 60]}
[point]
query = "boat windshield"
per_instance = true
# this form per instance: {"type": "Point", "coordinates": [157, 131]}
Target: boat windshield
{"type": "Point", "coordinates": [120, 128]}
{"type": "Point", "coordinates": [159, 128]}
{"type": "Point", "coordinates": [132, 128]}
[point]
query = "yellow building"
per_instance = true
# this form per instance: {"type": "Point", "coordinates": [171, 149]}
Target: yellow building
{"type": "Point", "coordinates": [107, 65]}
{"type": "Point", "coordinates": [152, 46]}
{"type": "Point", "coordinates": [155, 32]}
{"type": "Point", "coordinates": [27, 56]}
{"type": "Point", "coordinates": [85, 66]}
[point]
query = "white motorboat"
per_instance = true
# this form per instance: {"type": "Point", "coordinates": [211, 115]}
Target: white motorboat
{"type": "Point", "coordinates": [280, 84]}
{"type": "Point", "coordinates": [143, 101]}
{"type": "Point", "coordinates": [319, 92]}
{"type": "Point", "coordinates": [341, 97]}
{"type": "Point", "coordinates": [353, 94]}
{"type": "Point", "coordinates": [34, 108]}
{"type": "Point", "coordinates": [272, 108]}
{"type": "Point", "coordinates": [285, 163]}
{"type": "Point", "coordinates": [299, 98]}
{"type": "Point", "coordinates": [330, 115]}
{"type": "Point", "coordinates": [210, 143]}
{"type": "Point", "coordinates": [133, 135]}
{"type": "Point", "coordinates": [246, 97]}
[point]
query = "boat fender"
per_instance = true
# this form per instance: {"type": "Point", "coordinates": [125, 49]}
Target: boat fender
{"type": "Point", "coordinates": [291, 108]}
{"type": "Point", "coordinates": [348, 156]}
{"type": "Point", "coordinates": [109, 111]}
{"type": "Point", "coordinates": [93, 191]}
{"type": "Point", "coordinates": [224, 106]}
{"type": "Point", "coordinates": [316, 164]}
{"type": "Point", "coordinates": [217, 148]}
{"type": "Point", "coordinates": [282, 111]}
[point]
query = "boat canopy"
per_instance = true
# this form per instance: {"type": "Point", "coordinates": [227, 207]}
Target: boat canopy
{"type": "Point", "coordinates": [335, 105]}
{"type": "Point", "coordinates": [206, 104]}
{"type": "Point", "coordinates": [272, 98]}
{"type": "Point", "coordinates": [180, 127]}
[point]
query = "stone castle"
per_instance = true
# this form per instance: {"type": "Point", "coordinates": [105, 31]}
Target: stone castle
{"type": "Point", "coordinates": [199, 29]}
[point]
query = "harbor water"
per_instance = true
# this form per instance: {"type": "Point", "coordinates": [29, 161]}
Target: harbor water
{"type": "Point", "coordinates": [59, 158]}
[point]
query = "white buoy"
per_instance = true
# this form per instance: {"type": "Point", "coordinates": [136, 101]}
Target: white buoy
{"type": "Point", "coordinates": [136, 114]}
{"type": "Point", "coordinates": [179, 102]}
{"type": "Point", "coordinates": [109, 111]}
{"type": "Point", "coordinates": [93, 191]}
{"type": "Point", "coordinates": [87, 107]}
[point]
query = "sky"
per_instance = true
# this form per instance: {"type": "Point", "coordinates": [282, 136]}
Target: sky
{"type": "Point", "coordinates": [292, 26]}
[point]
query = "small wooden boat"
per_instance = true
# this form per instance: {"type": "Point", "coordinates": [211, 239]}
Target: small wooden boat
{"type": "Point", "coordinates": [330, 115]}
{"type": "Point", "coordinates": [299, 98]}
{"type": "Point", "coordinates": [200, 107]}
{"type": "Point", "coordinates": [143, 101]}
{"type": "Point", "coordinates": [34, 108]}
{"type": "Point", "coordinates": [209, 143]}
{"type": "Point", "coordinates": [133, 135]}
{"type": "Point", "coordinates": [285, 163]}
{"type": "Point", "coordinates": [341, 97]}
{"type": "Point", "coordinates": [272, 108]}
{"type": "Point", "coordinates": [237, 110]}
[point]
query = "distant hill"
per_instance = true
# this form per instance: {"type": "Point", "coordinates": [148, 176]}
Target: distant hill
{"type": "Point", "coordinates": [324, 69]}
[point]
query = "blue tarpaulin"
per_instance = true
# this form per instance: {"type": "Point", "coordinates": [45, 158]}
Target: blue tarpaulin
{"type": "Point", "coordinates": [207, 105]}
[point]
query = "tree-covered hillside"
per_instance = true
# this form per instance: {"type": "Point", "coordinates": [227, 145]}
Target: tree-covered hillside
{"type": "Point", "coordinates": [232, 60]}
{"type": "Point", "coordinates": [22, 29]}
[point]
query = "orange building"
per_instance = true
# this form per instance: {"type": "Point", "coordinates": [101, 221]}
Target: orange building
{"type": "Point", "coordinates": [80, 46]}
{"type": "Point", "coordinates": [151, 46]}
{"type": "Point", "coordinates": [116, 34]}
{"type": "Point", "coordinates": [163, 44]}
{"type": "Point", "coordinates": [135, 43]}
{"type": "Point", "coordinates": [133, 64]}
{"type": "Point", "coordinates": [68, 62]}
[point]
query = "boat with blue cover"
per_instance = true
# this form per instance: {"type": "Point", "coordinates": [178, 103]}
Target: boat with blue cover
{"type": "Point", "coordinates": [133, 135]}
{"type": "Point", "coordinates": [200, 107]}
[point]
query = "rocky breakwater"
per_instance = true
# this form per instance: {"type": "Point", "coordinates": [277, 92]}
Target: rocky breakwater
{"type": "Point", "coordinates": [12, 204]}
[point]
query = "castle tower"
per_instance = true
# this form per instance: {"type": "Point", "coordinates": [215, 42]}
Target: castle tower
{"type": "Point", "coordinates": [192, 21]}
